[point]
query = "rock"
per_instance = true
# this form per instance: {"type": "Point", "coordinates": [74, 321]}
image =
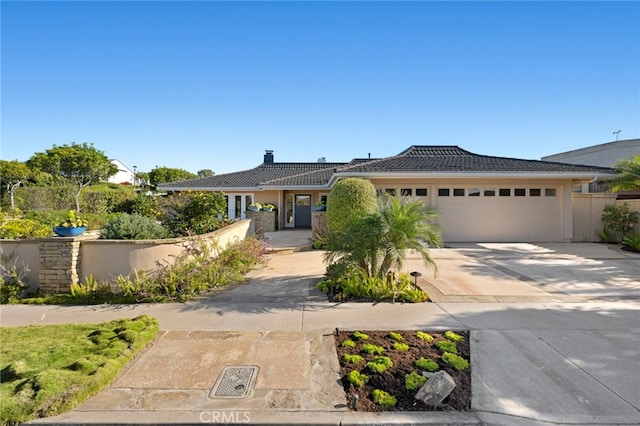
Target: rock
{"type": "Point", "coordinates": [437, 388]}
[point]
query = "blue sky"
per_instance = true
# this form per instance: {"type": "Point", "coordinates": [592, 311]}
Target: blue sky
{"type": "Point", "coordinates": [211, 85]}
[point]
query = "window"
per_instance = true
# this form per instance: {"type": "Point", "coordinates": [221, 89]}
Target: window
{"type": "Point", "coordinates": [489, 192]}
{"type": "Point", "coordinates": [323, 199]}
{"type": "Point", "coordinates": [379, 192]}
{"type": "Point", "coordinates": [550, 192]}
{"type": "Point", "coordinates": [406, 192]}
{"type": "Point", "coordinates": [421, 192]}
{"type": "Point", "coordinates": [474, 192]}
{"type": "Point", "coordinates": [505, 192]}
{"type": "Point", "coordinates": [519, 192]}
{"type": "Point", "coordinates": [391, 191]}
{"type": "Point", "coordinates": [534, 192]}
{"type": "Point", "coordinates": [458, 192]}
{"type": "Point", "coordinates": [443, 192]}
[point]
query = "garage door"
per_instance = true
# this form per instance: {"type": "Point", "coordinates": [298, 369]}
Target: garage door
{"type": "Point", "coordinates": [515, 214]}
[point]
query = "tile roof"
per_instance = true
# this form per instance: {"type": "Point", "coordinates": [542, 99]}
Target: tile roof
{"type": "Point", "coordinates": [444, 159]}
{"type": "Point", "coordinates": [415, 159]}
{"type": "Point", "coordinates": [261, 175]}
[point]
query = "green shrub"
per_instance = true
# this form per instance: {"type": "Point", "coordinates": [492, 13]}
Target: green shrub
{"type": "Point", "coordinates": [427, 364]}
{"type": "Point", "coordinates": [383, 398]}
{"type": "Point", "coordinates": [372, 349]}
{"type": "Point", "coordinates": [413, 295]}
{"type": "Point", "coordinates": [350, 199]}
{"type": "Point", "coordinates": [143, 204]}
{"type": "Point", "coordinates": [454, 337]}
{"type": "Point", "coordinates": [352, 359]}
{"type": "Point", "coordinates": [197, 213]}
{"type": "Point", "coordinates": [618, 222]}
{"type": "Point", "coordinates": [348, 344]}
{"type": "Point", "coordinates": [45, 198]}
{"type": "Point", "coordinates": [424, 336]}
{"type": "Point", "coordinates": [632, 241]}
{"type": "Point", "coordinates": [104, 198]}
{"type": "Point", "coordinates": [197, 269]}
{"type": "Point", "coordinates": [396, 336]}
{"type": "Point", "coordinates": [447, 346]}
{"type": "Point", "coordinates": [133, 227]}
{"type": "Point", "coordinates": [357, 335]}
{"type": "Point", "coordinates": [455, 361]}
{"type": "Point", "coordinates": [399, 346]}
{"type": "Point", "coordinates": [18, 229]}
{"type": "Point", "coordinates": [357, 379]}
{"type": "Point", "coordinates": [12, 284]}
{"type": "Point", "coordinates": [379, 364]}
{"type": "Point", "coordinates": [413, 381]}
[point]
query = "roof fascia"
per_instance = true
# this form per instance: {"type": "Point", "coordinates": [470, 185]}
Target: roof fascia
{"type": "Point", "coordinates": [475, 175]}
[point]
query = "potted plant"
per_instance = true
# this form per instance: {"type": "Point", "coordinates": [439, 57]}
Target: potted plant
{"type": "Point", "coordinates": [72, 226]}
{"type": "Point", "coordinates": [254, 207]}
{"type": "Point", "coordinates": [320, 206]}
{"type": "Point", "coordinates": [268, 207]}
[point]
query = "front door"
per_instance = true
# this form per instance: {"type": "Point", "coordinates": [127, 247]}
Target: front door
{"type": "Point", "coordinates": [302, 211]}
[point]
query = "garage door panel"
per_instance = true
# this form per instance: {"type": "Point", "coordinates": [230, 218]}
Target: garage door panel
{"type": "Point", "coordinates": [500, 219]}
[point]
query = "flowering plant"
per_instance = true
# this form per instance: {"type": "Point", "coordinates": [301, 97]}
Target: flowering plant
{"type": "Point", "coordinates": [72, 221]}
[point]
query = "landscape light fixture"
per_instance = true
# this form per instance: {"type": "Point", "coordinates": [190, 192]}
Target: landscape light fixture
{"type": "Point", "coordinates": [415, 275]}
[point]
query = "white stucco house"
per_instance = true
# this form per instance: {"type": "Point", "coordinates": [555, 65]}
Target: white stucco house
{"type": "Point", "coordinates": [479, 197]}
{"type": "Point", "coordinates": [124, 176]}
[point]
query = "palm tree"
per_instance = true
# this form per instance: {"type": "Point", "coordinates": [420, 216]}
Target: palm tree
{"type": "Point", "coordinates": [406, 225]}
{"type": "Point", "coordinates": [629, 175]}
{"type": "Point", "coordinates": [380, 240]}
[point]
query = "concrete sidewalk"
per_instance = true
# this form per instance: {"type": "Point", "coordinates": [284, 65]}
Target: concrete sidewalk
{"type": "Point", "coordinates": [533, 362]}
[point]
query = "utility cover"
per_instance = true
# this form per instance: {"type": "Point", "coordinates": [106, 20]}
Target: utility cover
{"type": "Point", "coordinates": [235, 382]}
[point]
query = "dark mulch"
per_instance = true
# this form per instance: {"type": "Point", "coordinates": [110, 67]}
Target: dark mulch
{"type": "Point", "coordinates": [393, 381]}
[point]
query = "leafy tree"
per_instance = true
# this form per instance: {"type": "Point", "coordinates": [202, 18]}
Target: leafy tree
{"type": "Point", "coordinates": [629, 171]}
{"type": "Point", "coordinates": [168, 174]}
{"type": "Point", "coordinates": [80, 164]}
{"type": "Point", "coordinates": [205, 173]}
{"type": "Point", "coordinates": [13, 174]}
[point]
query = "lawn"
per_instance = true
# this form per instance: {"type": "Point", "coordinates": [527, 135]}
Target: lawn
{"type": "Point", "coordinates": [46, 370]}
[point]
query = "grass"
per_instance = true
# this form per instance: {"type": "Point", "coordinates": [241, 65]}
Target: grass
{"type": "Point", "coordinates": [47, 370]}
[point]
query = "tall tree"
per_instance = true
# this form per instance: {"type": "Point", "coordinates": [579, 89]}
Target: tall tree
{"type": "Point", "coordinates": [80, 164]}
{"type": "Point", "coordinates": [205, 173]}
{"type": "Point", "coordinates": [168, 174]}
{"type": "Point", "coordinates": [629, 175]}
{"type": "Point", "coordinates": [13, 174]}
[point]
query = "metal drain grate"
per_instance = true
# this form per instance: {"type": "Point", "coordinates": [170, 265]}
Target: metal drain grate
{"type": "Point", "coordinates": [235, 382]}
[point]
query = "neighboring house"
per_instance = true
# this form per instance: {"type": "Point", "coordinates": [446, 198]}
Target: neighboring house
{"type": "Point", "coordinates": [124, 176]}
{"type": "Point", "coordinates": [603, 155]}
{"type": "Point", "coordinates": [479, 198]}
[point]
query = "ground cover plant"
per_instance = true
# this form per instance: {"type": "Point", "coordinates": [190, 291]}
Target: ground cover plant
{"type": "Point", "coordinates": [388, 380]}
{"type": "Point", "coordinates": [47, 370]}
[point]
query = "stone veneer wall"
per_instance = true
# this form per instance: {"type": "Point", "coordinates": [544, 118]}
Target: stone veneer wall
{"type": "Point", "coordinates": [263, 221]}
{"type": "Point", "coordinates": [319, 222]}
{"type": "Point", "coordinates": [59, 263]}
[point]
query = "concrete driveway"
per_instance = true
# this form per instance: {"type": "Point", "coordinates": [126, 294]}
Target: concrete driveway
{"type": "Point", "coordinates": [518, 272]}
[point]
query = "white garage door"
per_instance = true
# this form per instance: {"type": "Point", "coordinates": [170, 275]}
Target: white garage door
{"type": "Point", "coordinates": [515, 214]}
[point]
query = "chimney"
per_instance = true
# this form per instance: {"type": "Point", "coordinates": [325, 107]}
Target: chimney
{"type": "Point", "coordinates": [268, 156]}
